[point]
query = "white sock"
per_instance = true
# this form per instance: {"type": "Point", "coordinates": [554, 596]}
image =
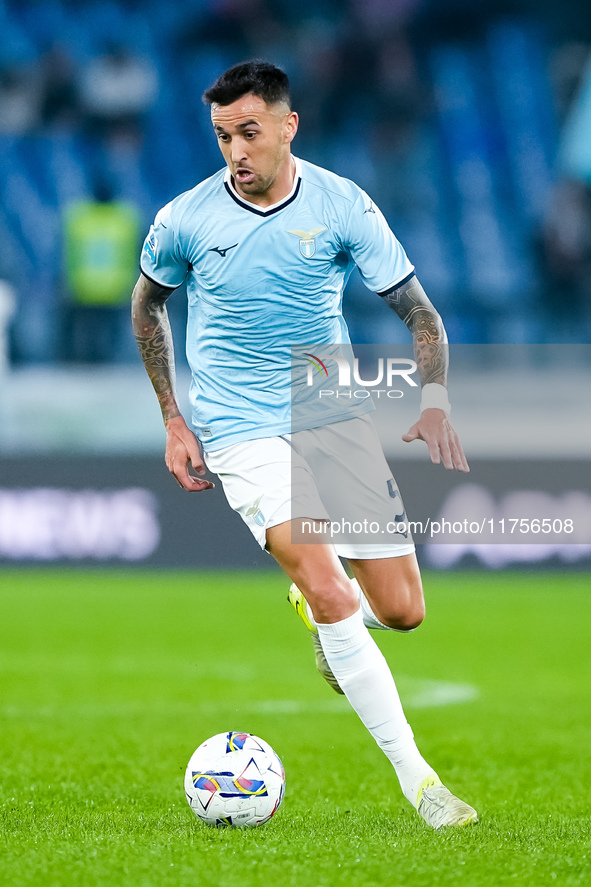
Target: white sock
{"type": "Point", "coordinates": [370, 620]}
{"type": "Point", "coordinates": [365, 678]}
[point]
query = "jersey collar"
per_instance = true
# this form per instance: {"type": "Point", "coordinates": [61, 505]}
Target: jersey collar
{"type": "Point", "coordinates": [275, 207]}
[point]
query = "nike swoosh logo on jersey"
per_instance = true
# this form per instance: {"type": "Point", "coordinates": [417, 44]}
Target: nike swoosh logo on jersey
{"type": "Point", "coordinates": [221, 250]}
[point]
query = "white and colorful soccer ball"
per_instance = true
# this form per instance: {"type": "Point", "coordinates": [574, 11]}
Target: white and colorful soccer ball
{"type": "Point", "coordinates": [234, 779]}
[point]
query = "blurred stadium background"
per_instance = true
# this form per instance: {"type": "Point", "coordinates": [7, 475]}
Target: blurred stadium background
{"type": "Point", "coordinates": [470, 124]}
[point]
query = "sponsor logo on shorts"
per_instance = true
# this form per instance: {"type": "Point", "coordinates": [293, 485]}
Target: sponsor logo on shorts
{"type": "Point", "coordinates": [256, 514]}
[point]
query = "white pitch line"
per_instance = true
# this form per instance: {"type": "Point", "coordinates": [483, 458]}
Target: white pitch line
{"type": "Point", "coordinates": [415, 693]}
{"type": "Point", "coordinates": [432, 694]}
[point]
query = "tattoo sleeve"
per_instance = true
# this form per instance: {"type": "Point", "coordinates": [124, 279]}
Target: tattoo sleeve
{"type": "Point", "coordinates": [153, 335]}
{"type": "Point", "coordinates": [410, 303]}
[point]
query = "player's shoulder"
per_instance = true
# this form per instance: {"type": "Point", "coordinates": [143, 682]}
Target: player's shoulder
{"type": "Point", "coordinates": [329, 182]}
{"type": "Point", "coordinates": [191, 201]}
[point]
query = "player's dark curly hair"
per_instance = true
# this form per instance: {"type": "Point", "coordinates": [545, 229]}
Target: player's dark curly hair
{"type": "Point", "coordinates": [256, 77]}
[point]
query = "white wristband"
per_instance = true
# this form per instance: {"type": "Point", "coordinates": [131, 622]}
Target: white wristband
{"type": "Point", "coordinates": [434, 396]}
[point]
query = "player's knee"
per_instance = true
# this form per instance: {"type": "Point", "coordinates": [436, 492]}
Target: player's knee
{"type": "Point", "coordinates": [412, 619]}
{"type": "Point", "coordinates": [405, 618]}
{"type": "Point", "coordinates": [331, 600]}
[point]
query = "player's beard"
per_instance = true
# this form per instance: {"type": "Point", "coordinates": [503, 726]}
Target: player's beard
{"type": "Point", "coordinates": [261, 184]}
{"type": "Point", "coordinates": [257, 187]}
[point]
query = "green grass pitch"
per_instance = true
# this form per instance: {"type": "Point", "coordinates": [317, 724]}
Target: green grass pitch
{"type": "Point", "coordinates": [109, 680]}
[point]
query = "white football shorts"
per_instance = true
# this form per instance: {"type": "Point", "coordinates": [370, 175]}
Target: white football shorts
{"type": "Point", "coordinates": [337, 473]}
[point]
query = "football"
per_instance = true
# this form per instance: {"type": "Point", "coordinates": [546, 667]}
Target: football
{"type": "Point", "coordinates": [234, 779]}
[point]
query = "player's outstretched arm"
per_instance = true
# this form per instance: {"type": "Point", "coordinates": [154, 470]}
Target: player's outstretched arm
{"type": "Point", "coordinates": [410, 302]}
{"type": "Point", "coordinates": [152, 331]}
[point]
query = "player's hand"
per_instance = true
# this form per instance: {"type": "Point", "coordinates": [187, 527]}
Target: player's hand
{"type": "Point", "coordinates": [182, 449]}
{"type": "Point", "coordinates": [437, 431]}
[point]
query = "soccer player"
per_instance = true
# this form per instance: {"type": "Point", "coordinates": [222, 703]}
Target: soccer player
{"type": "Point", "coordinates": [266, 246]}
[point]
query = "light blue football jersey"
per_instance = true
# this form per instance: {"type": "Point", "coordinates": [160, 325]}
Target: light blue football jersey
{"type": "Point", "coordinates": [260, 281]}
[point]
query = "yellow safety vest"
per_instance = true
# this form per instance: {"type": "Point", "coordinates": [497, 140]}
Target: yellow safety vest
{"type": "Point", "coordinates": [101, 243]}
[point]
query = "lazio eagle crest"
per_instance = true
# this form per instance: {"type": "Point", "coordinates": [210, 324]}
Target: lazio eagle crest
{"type": "Point", "coordinates": [307, 242]}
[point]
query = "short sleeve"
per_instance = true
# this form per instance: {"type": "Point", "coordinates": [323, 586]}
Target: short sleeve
{"type": "Point", "coordinates": [160, 258]}
{"type": "Point", "coordinates": [373, 247]}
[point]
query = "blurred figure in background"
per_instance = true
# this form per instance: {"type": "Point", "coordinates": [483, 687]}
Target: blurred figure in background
{"type": "Point", "coordinates": [101, 238]}
{"type": "Point", "coordinates": [7, 310]}
{"type": "Point", "coordinates": [566, 260]}
{"type": "Point", "coordinates": [565, 243]}
{"type": "Point", "coordinates": [60, 106]}
{"type": "Point", "coordinates": [20, 97]}
{"type": "Point", "coordinates": [117, 90]}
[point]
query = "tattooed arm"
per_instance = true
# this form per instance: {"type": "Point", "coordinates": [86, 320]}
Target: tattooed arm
{"type": "Point", "coordinates": [410, 302]}
{"type": "Point", "coordinates": [154, 338]}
